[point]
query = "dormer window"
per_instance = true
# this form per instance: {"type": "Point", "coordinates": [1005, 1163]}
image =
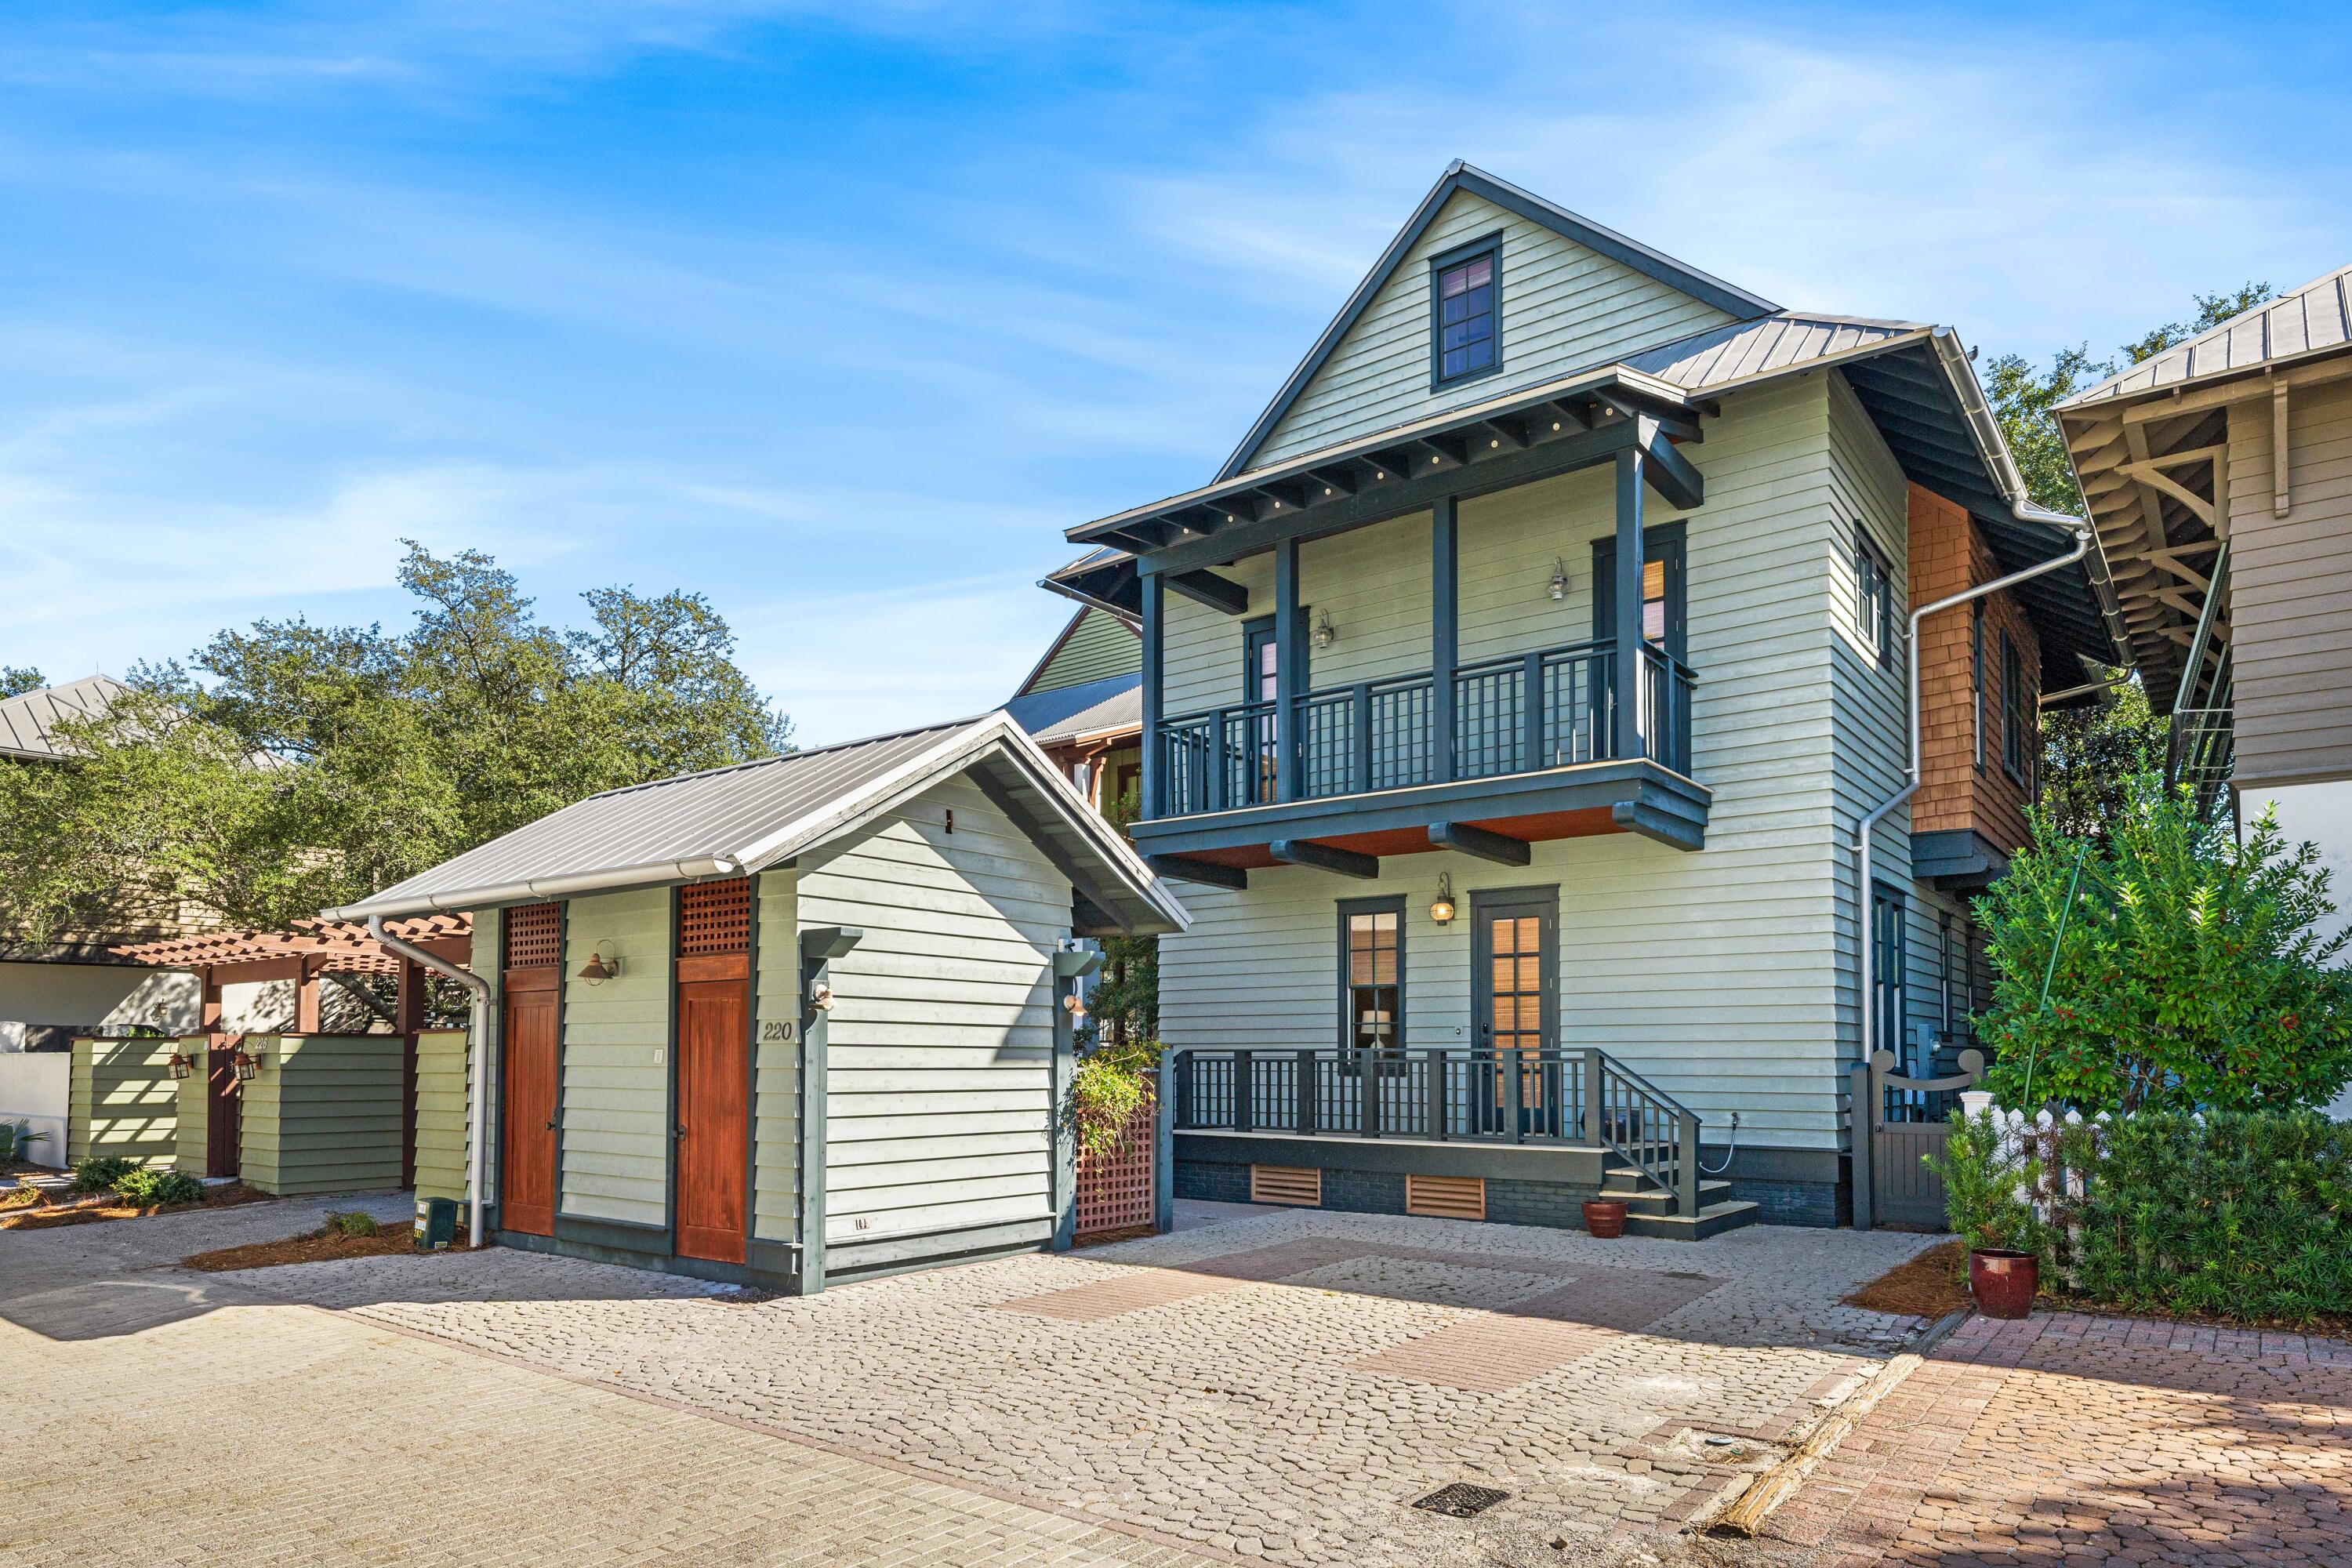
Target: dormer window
{"type": "Point", "coordinates": [1464, 285]}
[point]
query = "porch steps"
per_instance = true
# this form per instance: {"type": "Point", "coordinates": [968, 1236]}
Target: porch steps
{"type": "Point", "coordinates": [1649, 1208]}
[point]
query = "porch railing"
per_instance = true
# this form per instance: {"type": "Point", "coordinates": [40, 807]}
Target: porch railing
{"type": "Point", "coordinates": [1445, 1095]}
{"type": "Point", "coordinates": [1518, 713]}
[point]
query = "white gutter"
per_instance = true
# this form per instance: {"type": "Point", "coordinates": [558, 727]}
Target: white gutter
{"type": "Point", "coordinates": [478, 1040]}
{"type": "Point", "coordinates": [534, 889]}
{"type": "Point", "coordinates": [1911, 775]}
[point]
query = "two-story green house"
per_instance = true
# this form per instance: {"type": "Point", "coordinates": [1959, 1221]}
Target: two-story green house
{"type": "Point", "coordinates": [1512, 698]}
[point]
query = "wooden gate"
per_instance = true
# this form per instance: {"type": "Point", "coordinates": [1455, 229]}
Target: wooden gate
{"type": "Point", "coordinates": [1114, 1190]}
{"type": "Point", "coordinates": [224, 1108]}
{"type": "Point", "coordinates": [1898, 1120]}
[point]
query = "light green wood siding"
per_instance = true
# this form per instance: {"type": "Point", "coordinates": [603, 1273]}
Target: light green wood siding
{"type": "Point", "coordinates": [1564, 308]}
{"type": "Point", "coordinates": [1098, 644]}
{"type": "Point", "coordinates": [940, 1041]}
{"type": "Point", "coordinates": [776, 1045]}
{"type": "Point", "coordinates": [322, 1114]}
{"type": "Point", "coordinates": [1717, 974]}
{"type": "Point", "coordinates": [2291, 590]}
{"type": "Point", "coordinates": [122, 1100]}
{"type": "Point", "coordinates": [191, 1144]}
{"type": "Point", "coordinates": [443, 1101]}
{"type": "Point", "coordinates": [615, 1114]}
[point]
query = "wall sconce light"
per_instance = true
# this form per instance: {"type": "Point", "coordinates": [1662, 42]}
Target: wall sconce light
{"type": "Point", "coordinates": [1326, 634]}
{"type": "Point", "coordinates": [1075, 1005]}
{"type": "Point", "coordinates": [821, 997]}
{"type": "Point", "coordinates": [246, 1064]}
{"type": "Point", "coordinates": [1559, 584]}
{"type": "Point", "coordinates": [602, 965]}
{"type": "Point", "coordinates": [183, 1065]}
{"type": "Point", "coordinates": [1441, 907]}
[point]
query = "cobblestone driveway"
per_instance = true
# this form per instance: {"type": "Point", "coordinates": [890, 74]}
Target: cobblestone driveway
{"type": "Point", "coordinates": [1279, 1387]}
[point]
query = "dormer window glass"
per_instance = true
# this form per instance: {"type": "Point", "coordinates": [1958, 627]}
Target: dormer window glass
{"type": "Point", "coordinates": [1464, 293]}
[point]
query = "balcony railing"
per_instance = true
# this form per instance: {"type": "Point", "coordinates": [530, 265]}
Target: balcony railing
{"type": "Point", "coordinates": [1521, 714]}
{"type": "Point", "coordinates": [1445, 1095]}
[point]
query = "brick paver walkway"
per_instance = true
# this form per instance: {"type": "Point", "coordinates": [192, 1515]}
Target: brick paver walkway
{"type": "Point", "coordinates": [1278, 1387]}
{"type": "Point", "coordinates": [2068, 1439]}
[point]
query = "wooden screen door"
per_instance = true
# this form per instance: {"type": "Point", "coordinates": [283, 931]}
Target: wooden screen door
{"type": "Point", "coordinates": [1514, 965]}
{"type": "Point", "coordinates": [529, 1063]}
{"type": "Point", "coordinates": [714, 1069]}
{"type": "Point", "coordinates": [224, 1111]}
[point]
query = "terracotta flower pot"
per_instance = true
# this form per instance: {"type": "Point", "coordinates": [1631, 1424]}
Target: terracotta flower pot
{"type": "Point", "coordinates": [2004, 1282]}
{"type": "Point", "coordinates": [1604, 1219]}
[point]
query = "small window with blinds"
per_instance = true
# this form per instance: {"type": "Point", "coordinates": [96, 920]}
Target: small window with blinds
{"type": "Point", "coordinates": [714, 917]}
{"type": "Point", "coordinates": [533, 935]}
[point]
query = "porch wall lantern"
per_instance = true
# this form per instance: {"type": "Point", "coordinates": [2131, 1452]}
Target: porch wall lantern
{"type": "Point", "coordinates": [821, 997]}
{"type": "Point", "coordinates": [183, 1065]}
{"type": "Point", "coordinates": [1326, 634]}
{"type": "Point", "coordinates": [602, 965]}
{"type": "Point", "coordinates": [247, 1064]}
{"type": "Point", "coordinates": [1558, 583]}
{"type": "Point", "coordinates": [1441, 907]}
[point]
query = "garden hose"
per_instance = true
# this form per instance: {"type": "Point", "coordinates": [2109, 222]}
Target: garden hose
{"type": "Point", "coordinates": [2051, 969]}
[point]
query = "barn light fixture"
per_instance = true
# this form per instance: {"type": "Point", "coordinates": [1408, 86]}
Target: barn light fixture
{"type": "Point", "coordinates": [183, 1065]}
{"type": "Point", "coordinates": [1441, 907]}
{"type": "Point", "coordinates": [1325, 633]}
{"type": "Point", "coordinates": [1558, 585]}
{"type": "Point", "coordinates": [821, 997]}
{"type": "Point", "coordinates": [602, 965]}
{"type": "Point", "coordinates": [246, 1064]}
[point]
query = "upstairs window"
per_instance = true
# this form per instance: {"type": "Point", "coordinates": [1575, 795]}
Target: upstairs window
{"type": "Point", "coordinates": [1873, 597]}
{"type": "Point", "coordinates": [2016, 713]}
{"type": "Point", "coordinates": [1463, 293]}
{"type": "Point", "coordinates": [1977, 676]}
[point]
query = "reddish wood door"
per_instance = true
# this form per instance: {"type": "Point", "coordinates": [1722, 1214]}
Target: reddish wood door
{"type": "Point", "coordinates": [714, 1085]}
{"type": "Point", "coordinates": [527, 1078]}
{"type": "Point", "coordinates": [224, 1112]}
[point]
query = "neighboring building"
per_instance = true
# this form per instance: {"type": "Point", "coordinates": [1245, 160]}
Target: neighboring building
{"type": "Point", "coordinates": [1082, 705]}
{"type": "Point", "coordinates": [798, 1020]}
{"type": "Point", "coordinates": [2219, 476]}
{"type": "Point", "coordinates": [53, 991]}
{"type": "Point", "coordinates": [1588, 878]}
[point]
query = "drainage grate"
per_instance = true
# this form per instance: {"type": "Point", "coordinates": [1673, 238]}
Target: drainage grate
{"type": "Point", "coordinates": [1461, 1500]}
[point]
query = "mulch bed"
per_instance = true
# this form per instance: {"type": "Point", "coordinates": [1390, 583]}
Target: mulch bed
{"type": "Point", "coordinates": [1930, 1285]}
{"type": "Point", "coordinates": [90, 1208]}
{"type": "Point", "coordinates": [325, 1246]}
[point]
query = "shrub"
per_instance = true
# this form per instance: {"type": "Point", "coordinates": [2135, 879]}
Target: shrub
{"type": "Point", "coordinates": [351, 1222]}
{"type": "Point", "coordinates": [2242, 1215]}
{"type": "Point", "coordinates": [144, 1188]}
{"type": "Point", "coordinates": [1111, 1084]}
{"type": "Point", "coordinates": [2189, 973]}
{"type": "Point", "coordinates": [98, 1173]}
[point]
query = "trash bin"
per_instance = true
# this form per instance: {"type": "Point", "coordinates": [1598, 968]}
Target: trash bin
{"type": "Point", "coordinates": [437, 1224]}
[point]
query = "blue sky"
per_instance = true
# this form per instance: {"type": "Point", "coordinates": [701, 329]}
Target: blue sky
{"type": "Point", "coordinates": [840, 313]}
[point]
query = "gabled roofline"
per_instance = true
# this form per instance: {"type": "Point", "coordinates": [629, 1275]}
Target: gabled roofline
{"type": "Point", "coordinates": [1069, 631]}
{"type": "Point", "coordinates": [1461, 177]}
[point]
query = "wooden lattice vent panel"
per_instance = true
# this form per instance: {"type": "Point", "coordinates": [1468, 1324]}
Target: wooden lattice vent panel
{"type": "Point", "coordinates": [1115, 1189]}
{"type": "Point", "coordinates": [714, 917]}
{"type": "Point", "coordinates": [1446, 1197]}
{"type": "Point", "coordinates": [534, 936]}
{"type": "Point", "coordinates": [1286, 1184]}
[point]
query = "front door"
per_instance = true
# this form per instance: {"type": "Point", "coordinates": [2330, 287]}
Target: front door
{"type": "Point", "coordinates": [714, 1069]}
{"type": "Point", "coordinates": [527, 1077]}
{"type": "Point", "coordinates": [224, 1108]}
{"type": "Point", "coordinates": [1515, 965]}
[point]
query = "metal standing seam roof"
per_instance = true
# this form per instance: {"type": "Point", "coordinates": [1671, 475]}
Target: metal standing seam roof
{"type": "Point", "coordinates": [28, 719]}
{"type": "Point", "coordinates": [2314, 319]}
{"type": "Point", "coordinates": [754, 815]}
{"type": "Point", "coordinates": [1101, 707]}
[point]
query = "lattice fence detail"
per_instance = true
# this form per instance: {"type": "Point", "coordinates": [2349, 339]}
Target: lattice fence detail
{"type": "Point", "coordinates": [714, 917]}
{"type": "Point", "coordinates": [534, 936]}
{"type": "Point", "coordinates": [1115, 1189]}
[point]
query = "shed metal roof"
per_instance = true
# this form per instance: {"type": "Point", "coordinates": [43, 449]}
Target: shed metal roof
{"type": "Point", "coordinates": [746, 819]}
{"type": "Point", "coordinates": [2312, 320]}
{"type": "Point", "coordinates": [28, 720]}
{"type": "Point", "coordinates": [1103, 707]}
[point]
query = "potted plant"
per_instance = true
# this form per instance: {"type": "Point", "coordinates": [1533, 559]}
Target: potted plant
{"type": "Point", "coordinates": [1982, 1197]}
{"type": "Point", "coordinates": [1604, 1217]}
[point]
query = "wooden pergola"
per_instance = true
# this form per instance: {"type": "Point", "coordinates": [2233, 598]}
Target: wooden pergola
{"type": "Point", "coordinates": [303, 953]}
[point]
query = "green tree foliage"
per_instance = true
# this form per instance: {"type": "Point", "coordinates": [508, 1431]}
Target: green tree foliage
{"type": "Point", "coordinates": [292, 766]}
{"type": "Point", "coordinates": [2189, 974]}
{"type": "Point", "coordinates": [1124, 1007]}
{"type": "Point", "coordinates": [2095, 756]}
{"type": "Point", "coordinates": [15, 679]}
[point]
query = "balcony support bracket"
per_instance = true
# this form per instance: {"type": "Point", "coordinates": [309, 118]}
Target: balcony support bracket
{"type": "Point", "coordinates": [1205, 587]}
{"type": "Point", "coordinates": [1184, 869]}
{"type": "Point", "coordinates": [1502, 849]}
{"type": "Point", "coordinates": [1651, 819]}
{"type": "Point", "coordinates": [1324, 858]}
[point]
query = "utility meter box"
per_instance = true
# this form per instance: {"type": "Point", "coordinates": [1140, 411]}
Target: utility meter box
{"type": "Point", "coordinates": [437, 1224]}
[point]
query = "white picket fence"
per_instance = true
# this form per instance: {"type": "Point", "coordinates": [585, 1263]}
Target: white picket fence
{"type": "Point", "coordinates": [2031, 1145]}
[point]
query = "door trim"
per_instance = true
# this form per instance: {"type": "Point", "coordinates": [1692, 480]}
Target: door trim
{"type": "Point", "coordinates": [1484, 901]}
{"type": "Point", "coordinates": [547, 979]}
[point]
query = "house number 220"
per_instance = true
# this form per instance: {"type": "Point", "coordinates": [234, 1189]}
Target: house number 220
{"type": "Point", "coordinates": [775, 1031]}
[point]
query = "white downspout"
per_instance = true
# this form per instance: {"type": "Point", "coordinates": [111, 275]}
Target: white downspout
{"type": "Point", "coordinates": [1911, 775]}
{"type": "Point", "coordinates": [479, 1043]}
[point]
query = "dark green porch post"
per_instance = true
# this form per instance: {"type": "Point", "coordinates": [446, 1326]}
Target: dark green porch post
{"type": "Point", "coordinates": [1070, 967]}
{"type": "Point", "coordinates": [1445, 636]}
{"type": "Point", "coordinates": [1626, 728]}
{"type": "Point", "coordinates": [820, 945]}
{"type": "Point", "coordinates": [1155, 647]}
{"type": "Point", "coordinates": [1287, 644]}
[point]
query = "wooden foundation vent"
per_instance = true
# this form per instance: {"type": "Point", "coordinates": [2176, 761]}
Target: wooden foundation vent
{"type": "Point", "coordinates": [1446, 1197]}
{"type": "Point", "coordinates": [1286, 1184]}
